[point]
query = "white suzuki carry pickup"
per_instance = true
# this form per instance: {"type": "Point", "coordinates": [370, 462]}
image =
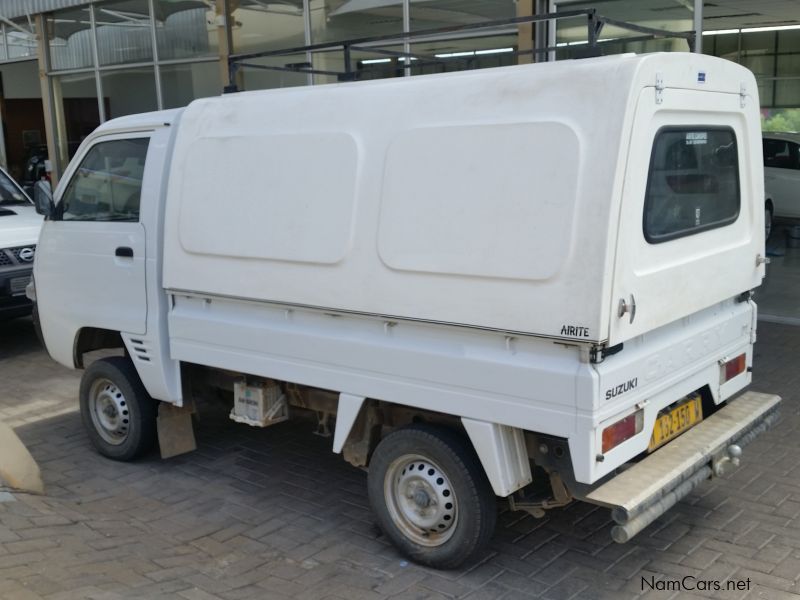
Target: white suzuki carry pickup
{"type": "Point", "coordinates": [531, 282]}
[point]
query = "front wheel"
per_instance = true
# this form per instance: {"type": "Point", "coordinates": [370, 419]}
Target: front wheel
{"type": "Point", "coordinates": [117, 412]}
{"type": "Point", "coordinates": [431, 496]}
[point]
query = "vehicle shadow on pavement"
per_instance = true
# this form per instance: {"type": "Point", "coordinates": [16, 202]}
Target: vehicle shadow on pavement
{"type": "Point", "coordinates": [17, 339]}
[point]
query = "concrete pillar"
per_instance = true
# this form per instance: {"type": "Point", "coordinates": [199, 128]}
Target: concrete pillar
{"type": "Point", "coordinates": [224, 13]}
{"type": "Point", "coordinates": [532, 36]}
{"type": "Point", "coordinates": [525, 32]}
{"type": "Point", "coordinates": [49, 107]}
{"type": "Point", "coordinates": [541, 33]}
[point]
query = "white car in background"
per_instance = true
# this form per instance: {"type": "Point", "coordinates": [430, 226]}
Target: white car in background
{"type": "Point", "coordinates": [781, 176]}
{"type": "Point", "coordinates": [19, 232]}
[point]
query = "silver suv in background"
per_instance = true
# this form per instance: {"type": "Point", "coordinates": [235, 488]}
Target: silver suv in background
{"type": "Point", "coordinates": [781, 176]}
{"type": "Point", "coordinates": [19, 232]}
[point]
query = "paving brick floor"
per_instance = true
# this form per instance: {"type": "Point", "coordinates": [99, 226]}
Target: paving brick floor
{"type": "Point", "coordinates": [274, 514]}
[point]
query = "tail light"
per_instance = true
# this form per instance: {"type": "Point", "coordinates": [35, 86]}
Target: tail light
{"type": "Point", "coordinates": [733, 367]}
{"type": "Point", "coordinates": [622, 430]}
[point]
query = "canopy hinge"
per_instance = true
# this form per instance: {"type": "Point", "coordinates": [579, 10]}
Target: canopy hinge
{"type": "Point", "coordinates": [659, 88]}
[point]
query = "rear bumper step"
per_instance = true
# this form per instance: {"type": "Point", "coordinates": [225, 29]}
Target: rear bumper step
{"type": "Point", "coordinates": [645, 491]}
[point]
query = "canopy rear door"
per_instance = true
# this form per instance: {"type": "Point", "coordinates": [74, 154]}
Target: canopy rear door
{"type": "Point", "coordinates": [691, 219]}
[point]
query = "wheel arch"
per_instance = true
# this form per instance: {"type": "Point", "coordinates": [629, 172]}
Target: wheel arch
{"type": "Point", "coordinates": [88, 339]}
{"type": "Point", "coordinates": [160, 375]}
{"type": "Point", "coordinates": [500, 449]}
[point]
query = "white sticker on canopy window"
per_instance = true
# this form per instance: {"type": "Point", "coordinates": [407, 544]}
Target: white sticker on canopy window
{"type": "Point", "coordinates": [695, 138]}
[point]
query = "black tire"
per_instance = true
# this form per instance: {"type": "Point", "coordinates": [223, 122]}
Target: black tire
{"type": "Point", "coordinates": [768, 212]}
{"type": "Point", "coordinates": [37, 325]}
{"type": "Point", "coordinates": [443, 456]}
{"type": "Point", "coordinates": [130, 415]}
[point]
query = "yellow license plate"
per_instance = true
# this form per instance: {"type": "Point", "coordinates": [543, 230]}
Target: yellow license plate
{"type": "Point", "coordinates": [673, 423]}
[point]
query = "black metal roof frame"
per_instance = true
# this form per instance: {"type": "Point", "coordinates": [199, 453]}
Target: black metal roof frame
{"type": "Point", "coordinates": [376, 44]}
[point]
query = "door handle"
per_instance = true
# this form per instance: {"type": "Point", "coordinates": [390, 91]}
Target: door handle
{"type": "Point", "coordinates": [627, 307]}
{"type": "Point", "coordinates": [124, 252]}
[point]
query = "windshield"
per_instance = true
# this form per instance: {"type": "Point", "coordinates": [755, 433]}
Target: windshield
{"type": "Point", "coordinates": [10, 193]}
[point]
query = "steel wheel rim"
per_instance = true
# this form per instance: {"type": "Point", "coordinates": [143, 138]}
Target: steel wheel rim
{"type": "Point", "coordinates": [421, 500]}
{"type": "Point", "coordinates": [109, 411]}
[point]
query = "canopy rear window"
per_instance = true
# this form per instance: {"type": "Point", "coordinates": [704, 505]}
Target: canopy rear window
{"type": "Point", "coordinates": [693, 184]}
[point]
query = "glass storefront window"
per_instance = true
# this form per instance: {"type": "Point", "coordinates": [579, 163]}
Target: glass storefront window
{"type": "Point", "coordinates": [758, 42]}
{"type": "Point", "coordinates": [774, 58]}
{"type": "Point", "coordinates": [260, 79]}
{"type": "Point", "coordinates": [787, 87]}
{"type": "Point", "coordinates": [123, 32]}
{"type": "Point", "coordinates": [789, 41]}
{"type": "Point", "coordinates": [185, 29]}
{"type": "Point", "coordinates": [677, 17]}
{"type": "Point", "coordinates": [76, 99]}
{"type": "Point", "coordinates": [182, 83]}
{"type": "Point", "coordinates": [258, 26]}
{"type": "Point", "coordinates": [431, 14]}
{"type": "Point", "coordinates": [20, 39]}
{"type": "Point", "coordinates": [70, 39]}
{"type": "Point", "coordinates": [725, 45]}
{"type": "Point", "coordinates": [465, 53]}
{"type": "Point", "coordinates": [129, 91]}
{"type": "Point", "coordinates": [760, 65]}
{"type": "Point", "coordinates": [765, 92]}
{"type": "Point", "coordinates": [375, 65]}
{"type": "Point", "coordinates": [787, 92]}
{"type": "Point", "coordinates": [334, 20]}
{"type": "Point", "coordinates": [472, 50]}
{"type": "Point", "coordinates": [2, 43]}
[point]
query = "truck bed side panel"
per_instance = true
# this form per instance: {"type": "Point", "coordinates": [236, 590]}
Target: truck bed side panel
{"type": "Point", "coordinates": [521, 382]}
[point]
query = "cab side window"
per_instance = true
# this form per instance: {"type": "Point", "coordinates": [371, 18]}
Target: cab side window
{"type": "Point", "coordinates": [108, 184]}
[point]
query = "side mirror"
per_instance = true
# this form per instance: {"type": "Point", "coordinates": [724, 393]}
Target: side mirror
{"type": "Point", "coordinates": [43, 198]}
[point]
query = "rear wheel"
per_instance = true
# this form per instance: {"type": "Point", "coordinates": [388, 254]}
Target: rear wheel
{"type": "Point", "coordinates": [431, 496]}
{"type": "Point", "coordinates": [118, 413]}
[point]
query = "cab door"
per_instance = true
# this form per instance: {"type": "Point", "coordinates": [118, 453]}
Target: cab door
{"type": "Point", "coordinates": [91, 270]}
{"type": "Point", "coordinates": [691, 221]}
